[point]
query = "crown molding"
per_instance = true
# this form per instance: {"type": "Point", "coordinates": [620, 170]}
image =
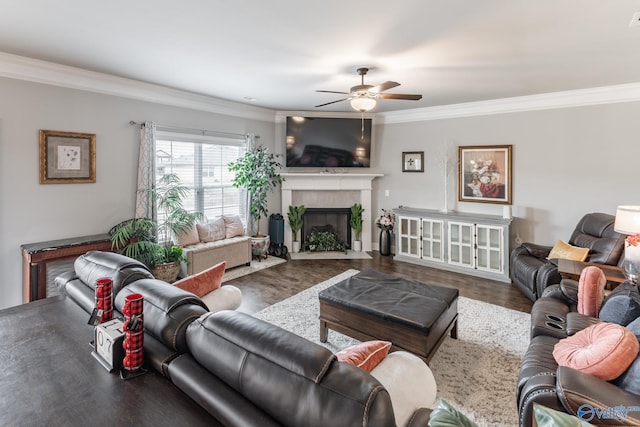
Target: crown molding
{"type": "Point", "coordinates": [38, 71]}
{"type": "Point", "coordinates": [566, 99]}
{"type": "Point", "coordinates": [34, 70]}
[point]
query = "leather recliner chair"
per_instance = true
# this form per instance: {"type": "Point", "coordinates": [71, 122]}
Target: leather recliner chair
{"type": "Point", "coordinates": [532, 272]}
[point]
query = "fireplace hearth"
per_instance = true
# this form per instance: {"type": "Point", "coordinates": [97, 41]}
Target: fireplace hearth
{"type": "Point", "coordinates": [335, 220]}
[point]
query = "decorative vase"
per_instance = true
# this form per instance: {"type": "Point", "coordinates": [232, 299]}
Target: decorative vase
{"type": "Point", "coordinates": [260, 246]}
{"type": "Point", "coordinates": [295, 246]}
{"type": "Point", "coordinates": [357, 246]}
{"type": "Point", "coordinates": [385, 242]}
{"type": "Point", "coordinates": [632, 262]}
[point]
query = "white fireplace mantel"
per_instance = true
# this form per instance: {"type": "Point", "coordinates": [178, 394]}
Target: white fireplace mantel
{"type": "Point", "coordinates": [331, 182]}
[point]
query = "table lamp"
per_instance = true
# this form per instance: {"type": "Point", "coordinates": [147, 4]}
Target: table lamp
{"type": "Point", "coordinates": [628, 222]}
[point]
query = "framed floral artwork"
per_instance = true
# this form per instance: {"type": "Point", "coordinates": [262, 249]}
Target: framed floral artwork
{"type": "Point", "coordinates": [413, 161]}
{"type": "Point", "coordinates": [67, 157]}
{"type": "Point", "coordinates": [484, 174]}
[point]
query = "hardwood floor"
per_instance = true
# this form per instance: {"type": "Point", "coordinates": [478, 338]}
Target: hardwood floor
{"type": "Point", "coordinates": [266, 287]}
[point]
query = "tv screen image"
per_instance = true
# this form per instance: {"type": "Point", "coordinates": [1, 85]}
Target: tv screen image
{"type": "Point", "coordinates": [326, 142]}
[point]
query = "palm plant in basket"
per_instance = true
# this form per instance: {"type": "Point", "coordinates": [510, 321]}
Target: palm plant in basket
{"type": "Point", "coordinates": [151, 241]}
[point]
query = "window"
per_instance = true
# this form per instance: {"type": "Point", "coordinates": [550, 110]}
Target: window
{"type": "Point", "coordinates": [201, 163]}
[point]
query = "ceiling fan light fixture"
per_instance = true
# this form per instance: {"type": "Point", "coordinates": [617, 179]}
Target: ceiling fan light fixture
{"type": "Point", "coordinates": [363, 104]}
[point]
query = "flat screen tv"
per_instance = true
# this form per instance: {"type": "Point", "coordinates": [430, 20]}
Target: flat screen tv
{"type": "Point", "coordinates": [326, 142]}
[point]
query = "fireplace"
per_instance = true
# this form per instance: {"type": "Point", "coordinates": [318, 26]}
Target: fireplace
{"type": "Point", "coordinates": [334, 220]}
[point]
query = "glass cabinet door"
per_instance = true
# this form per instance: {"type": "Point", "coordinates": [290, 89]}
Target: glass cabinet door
{"type": "Point", "coordinates": [489, 248]}
{"type": "Point", "coordinates": [461, 244]}
{"type": "Point", "coordinates": [409, 236]}
{"type": "Point", "coordinates": [432, 247]}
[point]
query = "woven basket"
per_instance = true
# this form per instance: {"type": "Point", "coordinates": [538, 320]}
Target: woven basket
{"type": "Point", "coordinates": [167, 272]}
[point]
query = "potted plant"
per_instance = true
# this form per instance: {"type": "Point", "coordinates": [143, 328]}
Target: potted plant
{"type": "Point", "coordinates": [356, 225]}
{"type": "Point", "coordinates": [295, 215]}
{"type": "Point", "coordinates": [151, 241]}
{"type": "Point", "coordinates": [257, 171]}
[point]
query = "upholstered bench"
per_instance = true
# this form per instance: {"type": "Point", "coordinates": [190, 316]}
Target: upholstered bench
{"type": "Point", "coordinates": [414, 316]}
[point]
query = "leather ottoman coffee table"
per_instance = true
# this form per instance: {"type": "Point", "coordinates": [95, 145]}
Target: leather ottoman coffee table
{"type": "Point", "coordinates": [371, 305]}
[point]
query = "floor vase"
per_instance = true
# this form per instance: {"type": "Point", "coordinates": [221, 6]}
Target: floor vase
{"type": "Point", "coordinates": [385, 242]}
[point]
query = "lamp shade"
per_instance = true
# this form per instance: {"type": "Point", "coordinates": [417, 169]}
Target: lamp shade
{"type": "Point", "coordinates": [363, 103]}
{"type": "Point", "coordinates": [627, 220]}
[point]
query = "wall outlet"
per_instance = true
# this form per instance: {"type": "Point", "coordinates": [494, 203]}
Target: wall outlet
{"type": "Point", "coordinates": [386, 193]}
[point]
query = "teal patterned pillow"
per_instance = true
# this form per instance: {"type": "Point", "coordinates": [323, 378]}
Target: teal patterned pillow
{"type": "Point", "coordinates": [547, 417]}
{"type": "Point", "coordinates": [444, 415]}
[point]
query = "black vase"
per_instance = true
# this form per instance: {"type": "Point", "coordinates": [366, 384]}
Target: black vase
{"type": "Point", "coordinates": [385, 242]}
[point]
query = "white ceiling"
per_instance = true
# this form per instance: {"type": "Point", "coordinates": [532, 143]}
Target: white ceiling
{"type": "Point", "coordinates": [279, 53]}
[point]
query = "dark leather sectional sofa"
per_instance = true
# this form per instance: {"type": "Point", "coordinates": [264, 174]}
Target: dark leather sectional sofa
{"type": "Point", "coordinates": [243, 371]}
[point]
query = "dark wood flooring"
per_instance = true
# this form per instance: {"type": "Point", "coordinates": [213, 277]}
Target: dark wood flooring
{"type": "Point", "coordinates": [271, 285]}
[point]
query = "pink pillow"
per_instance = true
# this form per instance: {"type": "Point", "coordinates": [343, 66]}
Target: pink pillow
{"type": "Point", "coordinates": [591, 291]}
{"type": "Point", "coordinates": [190, 237]}
{"type": "Point", "coordinates": [233, 226]}
{"type": "Point", "coordinates": [212, 230]}
{"type": "Point", "coordinates": [604, 350]}
{"type": "Point", "coordinates": [365, 355]}
{"type": "Point", "coordinates": [204, 282]}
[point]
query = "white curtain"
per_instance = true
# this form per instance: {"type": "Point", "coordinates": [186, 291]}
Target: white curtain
{"type": "Point", "coordinates": [146, 170]}
{"type": "Point", "coordinates": [249, 140]}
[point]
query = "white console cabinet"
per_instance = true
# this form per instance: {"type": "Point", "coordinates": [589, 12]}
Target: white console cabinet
{"type": "Point", "coordinates": [467, 243]}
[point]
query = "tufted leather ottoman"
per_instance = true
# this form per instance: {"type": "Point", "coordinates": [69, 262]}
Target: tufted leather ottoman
{"type": "Point", "coordinates": [414, 316]}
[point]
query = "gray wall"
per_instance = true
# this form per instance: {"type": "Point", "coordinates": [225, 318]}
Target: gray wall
{"type": "Point", "coordinates": [31, 212]}
{"type": "Point", "coordinates": [566, 162]}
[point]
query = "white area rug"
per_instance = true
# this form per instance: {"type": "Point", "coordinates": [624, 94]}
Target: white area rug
{"type": "Point", "coordinates": [330, 255]}
{"type": "Point", "coordinates": [256, 265]}
{"type": "Point", "coordinates": [477, 373]}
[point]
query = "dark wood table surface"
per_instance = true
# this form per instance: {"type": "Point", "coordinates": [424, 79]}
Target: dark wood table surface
{"type": "Point", "coordinates": [49, 377]}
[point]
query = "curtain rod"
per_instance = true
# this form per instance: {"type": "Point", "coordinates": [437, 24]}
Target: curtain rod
{"type": "Point", "coordinates": [201, 131]}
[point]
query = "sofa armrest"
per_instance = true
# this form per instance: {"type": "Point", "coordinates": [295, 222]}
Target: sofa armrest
{"type": "Point", "coordinates": [576, 388]}
{"type": "Point", "coordinates": [538, 251]}
{"type": "Point", "coordinates": [547, 275]}
{"type": "Point", "coordinates": [420, 418]}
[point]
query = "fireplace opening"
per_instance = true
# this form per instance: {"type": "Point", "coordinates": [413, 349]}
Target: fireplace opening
{"type": "Point", "coordinates": [334, 220]}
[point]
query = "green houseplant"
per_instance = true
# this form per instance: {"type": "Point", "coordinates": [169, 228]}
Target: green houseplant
{"type": "Point", "coordinates": [257, 171]}
{"type": "Point", "coordinates": [295, 215]}
{"type": "Point", "coordinates": [356, 224]}
{"type": "Point", "coordinates": [151, 241]}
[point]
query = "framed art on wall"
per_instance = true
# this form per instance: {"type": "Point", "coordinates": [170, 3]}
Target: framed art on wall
{"type": "Point", "coordinates": [484, 174]}
{"type": "Point", "coordinates": [413, 161]}
{"type": "Point", "coordinates": [67, 157]}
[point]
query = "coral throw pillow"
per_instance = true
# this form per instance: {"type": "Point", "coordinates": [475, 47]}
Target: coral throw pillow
{"type": "Point", "coordinates": [591, 291]}
{"type": "Point", "coordinates": [604, 350]}
{"type": "Point", "coordinates": [365, 355]}
{"type": "Point", "coordinates": [204, 282]}
{"type": "Point", "coordinates": [565, 251]}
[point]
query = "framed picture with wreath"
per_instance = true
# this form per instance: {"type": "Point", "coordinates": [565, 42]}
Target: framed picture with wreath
{"type": "Point", "coordinates": [67, 157]}
{"type": "Point", "coordinates": [484, 174]}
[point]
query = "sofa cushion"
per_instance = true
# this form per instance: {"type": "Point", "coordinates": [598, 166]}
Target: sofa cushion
{"type": "Point", "coordinates": [591, 291]}
{"type": "Point", "coordinates": [204, 282]}
{"type": "Point", "coordinates": [622, 305]}
{"type": "Point", "coordinates": [212, 230]}
{"type": "Point", "coordinates": [566, 251]}
{"type": "Point", "coordinates": [365, 355]}
{"type": "Point", "coordinates": [233, 225]}
{"type": "Point", "coordinates": [604, 350]}
{"type": "Point", "coordinates": [190, 237]}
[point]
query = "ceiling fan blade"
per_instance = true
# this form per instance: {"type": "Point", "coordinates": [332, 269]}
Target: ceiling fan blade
{"type": "Point", "coordinates": [399, 96]}
{"type": "Point", "coordinates": [332, 91]}
{"type": "Point", "coordinates": [384, 86]}
{"type": "Point", "coordinates": [332, 102]}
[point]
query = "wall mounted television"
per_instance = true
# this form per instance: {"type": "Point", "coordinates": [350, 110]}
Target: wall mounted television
{"type": "Point", "coordinates": [328, 142]}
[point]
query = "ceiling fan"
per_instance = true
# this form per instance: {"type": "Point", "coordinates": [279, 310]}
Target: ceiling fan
{"type": "Point", "coordinates": [363, 97]}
